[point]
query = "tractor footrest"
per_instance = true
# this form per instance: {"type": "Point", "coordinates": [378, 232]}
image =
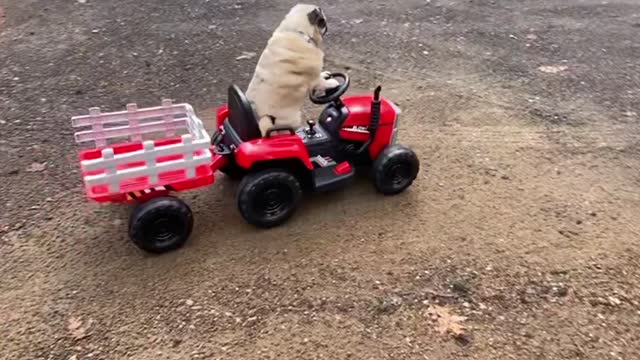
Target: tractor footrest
{"type": "Point", "coordinates": [333, 177]}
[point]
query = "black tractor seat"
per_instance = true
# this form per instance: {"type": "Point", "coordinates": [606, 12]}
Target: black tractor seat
{"type": "Point", "coordinates": [242, 123]}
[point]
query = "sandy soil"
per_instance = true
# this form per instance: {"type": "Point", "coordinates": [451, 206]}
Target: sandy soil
{"type": "Point", "coordinates": [524, 219]}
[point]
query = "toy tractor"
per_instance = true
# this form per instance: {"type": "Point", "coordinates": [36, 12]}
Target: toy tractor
{"type": "Point", "coordinates": [352, 132]}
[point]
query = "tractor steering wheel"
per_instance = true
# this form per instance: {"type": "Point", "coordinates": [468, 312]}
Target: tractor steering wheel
{"type": "Point", "coordinates": [332, 94]}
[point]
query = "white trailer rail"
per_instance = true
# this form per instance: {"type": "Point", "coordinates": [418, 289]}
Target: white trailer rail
{"type": "Point", "coordinates": [136, 125]}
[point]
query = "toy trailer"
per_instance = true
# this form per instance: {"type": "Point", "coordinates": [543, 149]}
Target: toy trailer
{"type": "Point", "coordinates": [143, 155]}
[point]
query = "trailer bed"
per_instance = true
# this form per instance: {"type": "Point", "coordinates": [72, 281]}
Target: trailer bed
{"type": "Point", "coordinates": [124, 162]}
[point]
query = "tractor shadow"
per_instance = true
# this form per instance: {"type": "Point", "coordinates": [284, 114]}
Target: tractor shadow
{"type": "Point", "coordinates": [359, 200]}
{"type": "Point", "coordinates": [221, 239]}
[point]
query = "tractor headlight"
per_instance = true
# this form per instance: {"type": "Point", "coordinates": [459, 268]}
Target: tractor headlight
{"type": "Point", "coordinates": [394, 135]}
{"type": "Point", "coordinates": [398, 112]}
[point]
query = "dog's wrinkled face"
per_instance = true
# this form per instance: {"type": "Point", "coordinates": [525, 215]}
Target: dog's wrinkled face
{"type": "Point", "coordinates": [318, 20]}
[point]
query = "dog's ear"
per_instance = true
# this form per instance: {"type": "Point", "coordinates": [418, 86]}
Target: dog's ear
{"type": "Point", "coordinates": [317, 19]}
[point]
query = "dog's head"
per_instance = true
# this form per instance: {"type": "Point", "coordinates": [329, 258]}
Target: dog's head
{"type": "Point", "coordinates": [308, 19]}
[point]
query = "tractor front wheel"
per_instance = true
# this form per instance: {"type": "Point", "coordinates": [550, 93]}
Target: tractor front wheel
{"type": "Point", "coordinates": [395, 169]}
{"type": "Point", "coordinates": [161, 224]}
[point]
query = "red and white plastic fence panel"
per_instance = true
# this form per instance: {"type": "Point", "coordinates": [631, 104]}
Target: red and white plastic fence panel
{"type": "Point", "coordinates": [112, 169]}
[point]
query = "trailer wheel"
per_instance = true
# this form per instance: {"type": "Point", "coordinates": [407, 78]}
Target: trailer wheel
{"type": "Point", "coordinates": [161, 224]}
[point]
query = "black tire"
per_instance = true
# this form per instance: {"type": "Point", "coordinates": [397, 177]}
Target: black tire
{"type": "Point", "coordinates": [395, 169]}
{"type": "Point", "coordinates": [268, 198]}
{"type": "Point", "coordinates": [161, 225]}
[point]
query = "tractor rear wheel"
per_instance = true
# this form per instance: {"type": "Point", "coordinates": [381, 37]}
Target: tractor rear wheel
{"type": "Point", "coordinates": [268, 198]}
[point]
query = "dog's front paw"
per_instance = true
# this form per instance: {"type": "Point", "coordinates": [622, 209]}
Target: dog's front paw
{"type": "Point", "coordinates": [331, 83]}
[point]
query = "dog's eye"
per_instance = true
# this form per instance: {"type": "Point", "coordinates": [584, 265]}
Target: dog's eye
{"type": "Point", "coordinates": [322, 25]}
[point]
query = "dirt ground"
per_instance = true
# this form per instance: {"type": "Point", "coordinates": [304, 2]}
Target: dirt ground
{"type": "Point", "coordinates": [524, 218]}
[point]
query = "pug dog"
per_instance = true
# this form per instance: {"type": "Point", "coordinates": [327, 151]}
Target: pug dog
{"type": "Point", "coordinates": [290, 67]}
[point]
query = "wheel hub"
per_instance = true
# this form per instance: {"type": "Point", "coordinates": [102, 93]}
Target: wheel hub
{"type": "Point", "coordinates": [273, 201]}
{"type": "Point", "coordinates": [399, 174]}
{"type": "Point", "coordinates": [164, 229]}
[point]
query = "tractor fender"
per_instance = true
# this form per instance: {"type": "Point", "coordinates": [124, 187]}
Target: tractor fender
{"type": "Point", "coordinates": [281, 147]}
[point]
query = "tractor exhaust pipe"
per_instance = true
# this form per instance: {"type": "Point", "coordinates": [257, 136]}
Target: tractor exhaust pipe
{"type": "Point", "coordinates": [375, 111]}
{"type": "Point", "coordinates": [375, 120]}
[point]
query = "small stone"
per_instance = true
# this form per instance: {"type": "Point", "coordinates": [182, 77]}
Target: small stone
{"type": "Point", "coordinates": [614, 301]}
{"type": "Point", "coordinates": [562, 291]}
{"type": "Point", "coordinates": [552, 69]}
{"type": "Point", "coordinates": [390, 305]}
{"type": "Point", "coordinates": [48, 199]}
{"type": "Point", "coordinates": [460, 287]}
{"type": "Point", "coordinates": [463, 339]}
{"type": "Point", "coordinates": [246, 55]}
{"type": "Point", "coordinates": [598, 301]}
{"type": "Point", "coordinates": [36, 167]}
{"type": "Point", "coordinates": [189, 302]}
{"type": "Point", "coordinates": [176, 342]}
